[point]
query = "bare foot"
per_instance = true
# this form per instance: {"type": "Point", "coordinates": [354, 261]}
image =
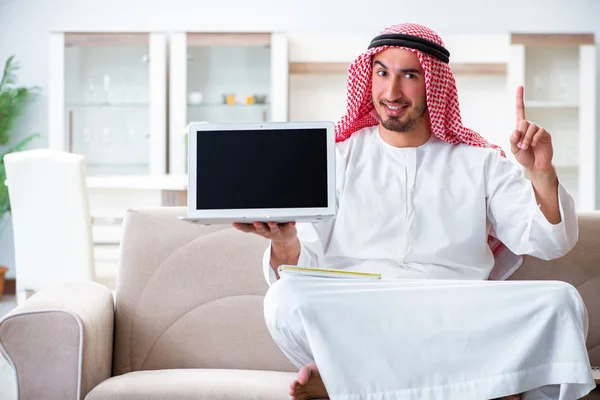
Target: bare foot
{"type": "Point", "coordinates": [308, 385]}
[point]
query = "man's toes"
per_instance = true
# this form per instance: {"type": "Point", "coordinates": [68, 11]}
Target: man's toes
{"type": "Point", "coordinates": [294, 388]}
{"type": "Point", "coordinates": [294, 385]}
{"type": "Point", "coordinates": [303, 375]}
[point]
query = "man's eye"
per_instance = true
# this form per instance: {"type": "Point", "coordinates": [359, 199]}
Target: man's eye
{"type": "Point", "coordinates": [381, 73]}
{"type": "Point", "coordinates": [410, 76]}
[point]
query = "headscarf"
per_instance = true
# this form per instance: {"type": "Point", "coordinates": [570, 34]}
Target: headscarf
{"type": "Point", "coordinates": [442, 104]}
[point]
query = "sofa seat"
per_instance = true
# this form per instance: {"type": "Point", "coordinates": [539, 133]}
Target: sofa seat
{"type": "Point", "coordinates": [197, 384]}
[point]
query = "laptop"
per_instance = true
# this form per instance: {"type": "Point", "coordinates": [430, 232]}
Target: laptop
{"type": "Point", "coordinates": [271, 171]}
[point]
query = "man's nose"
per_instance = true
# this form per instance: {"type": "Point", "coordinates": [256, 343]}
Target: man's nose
{"type": "Point", "coordinates": [394, 90]}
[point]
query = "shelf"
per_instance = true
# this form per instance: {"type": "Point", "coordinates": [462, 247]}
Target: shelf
{"type": "Point", "coordinates": [567, 166]}
{"type": "Point", "coordinates": [479, 69]}
{"type": "Point", "coordinates": [228, 39]}
{"type": "Point", "coordinates": [342, 68]}
{"type": "Point", "coordinates": [318, 67]}
{"type": "Point", "coordinates": [221, 105]}
{"type": "Point", "coordinates": [549, 104]}
{"type": "Point", "coordinates": [552, 39]}
{"type": "Point", "coordinates": [84, 39]}
{"type": "Point", "coordinates": [115, 165]}
{"type": "Point", "coordinates": [108, 105]}
{"type": "Point", "coordinates": [117, 169]}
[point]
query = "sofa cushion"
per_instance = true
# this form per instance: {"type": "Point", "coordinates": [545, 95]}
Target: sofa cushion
{"type": "Point", "coordinates": [195, 384]}
{"type": "Point", "coordinates": [191, 296]}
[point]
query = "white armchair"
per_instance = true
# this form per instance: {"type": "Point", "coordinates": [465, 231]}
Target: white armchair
{"type": "Point", "coordinates": [51, 220]}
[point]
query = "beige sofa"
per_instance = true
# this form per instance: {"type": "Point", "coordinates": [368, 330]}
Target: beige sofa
{"type": "Point", "coordinates": [187, 321]}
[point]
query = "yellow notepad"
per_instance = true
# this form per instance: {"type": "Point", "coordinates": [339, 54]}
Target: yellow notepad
{"type": "Point", "coordinates": [286, 270]}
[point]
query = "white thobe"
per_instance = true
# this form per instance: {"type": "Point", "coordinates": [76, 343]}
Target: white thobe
{"type": "Point", "coordinates": [424, 213]}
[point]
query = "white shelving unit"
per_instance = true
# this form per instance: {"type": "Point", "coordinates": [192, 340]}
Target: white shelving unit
{"type": "Point", "coordinates": [224, 77]}
{"type": "Point", "coordinates": [558, 72]}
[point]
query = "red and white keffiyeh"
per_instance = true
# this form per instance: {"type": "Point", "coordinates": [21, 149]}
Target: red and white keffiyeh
{"type": "Point", "coordinates": [444, 113]}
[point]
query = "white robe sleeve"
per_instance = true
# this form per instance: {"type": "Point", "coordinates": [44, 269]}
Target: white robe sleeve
{"type": "Point", "coordinates": [311, 248]}
{"type": "Point", "coordinates": [312, 236]}
{"type": "Point", "coordinates": [516, 217]}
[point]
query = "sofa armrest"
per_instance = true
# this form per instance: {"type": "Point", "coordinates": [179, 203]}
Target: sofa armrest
{"type": "Point", "coordinates": [59, 342]}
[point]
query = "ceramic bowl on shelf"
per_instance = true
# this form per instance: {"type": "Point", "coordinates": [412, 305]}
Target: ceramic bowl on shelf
{"type": "Point", "coordinates": [229, 99]}
{"type": "Point", "coordinates": [195, 98]}
{"type": "Point", "coordinates": [260, 99]}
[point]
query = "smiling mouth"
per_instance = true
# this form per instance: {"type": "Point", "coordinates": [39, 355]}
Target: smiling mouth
{"type": "Point", "coordinates": [394, 109]}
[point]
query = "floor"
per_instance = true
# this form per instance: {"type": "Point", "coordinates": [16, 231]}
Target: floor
{"type": "Point", "coordinates": [7, 378]}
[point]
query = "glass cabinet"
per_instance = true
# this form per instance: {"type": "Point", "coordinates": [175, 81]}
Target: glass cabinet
{"type": "Point", "coordinates": [108, 95]}
{"type": "Point", "coordinates": [224, 77]}
{"type": "Point", "coordinates": [108, 100]}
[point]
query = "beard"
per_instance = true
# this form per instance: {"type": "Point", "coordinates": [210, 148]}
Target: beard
{"type": "Point", "coordinates": [394, 124]}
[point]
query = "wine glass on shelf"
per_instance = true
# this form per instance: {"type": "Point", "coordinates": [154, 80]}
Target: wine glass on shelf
{"type": "Point", "coordinates": [91, 91]}
{"type": "Point", "coordinates": [122, 89]}
{"type": "Point", "coordinates": [106, 137]}
{"type": "Point", "coordinates": [132, 135]}
{"type": "Point", "coordinates": [137, 89]}
{"type": "Point", "coordinates": [87, 136]}
{"type": "Point", "coordinates": [540, 87]}
{"type": "Point", "coordinates": [562, 90]}
{"type": "Point", "coordinates": [106, 86]}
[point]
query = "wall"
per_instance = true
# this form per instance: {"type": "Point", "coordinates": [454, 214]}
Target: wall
{"type": "Point", "coordinates": [24, 26]}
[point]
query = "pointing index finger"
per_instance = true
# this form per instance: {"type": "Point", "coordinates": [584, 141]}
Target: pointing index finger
{"type": "Point", "coordinates": [520, 105]}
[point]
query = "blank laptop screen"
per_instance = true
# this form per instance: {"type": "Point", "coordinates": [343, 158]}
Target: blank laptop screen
{"type": "Point", "coordinates": [261, 169]}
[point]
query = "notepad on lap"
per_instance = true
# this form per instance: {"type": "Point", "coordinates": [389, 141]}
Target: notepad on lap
{"type": "Point", "coordinates": [291, 270]}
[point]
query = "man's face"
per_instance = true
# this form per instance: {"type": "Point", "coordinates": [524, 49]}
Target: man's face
{"type": "Point", "coordinates": [398, 90]}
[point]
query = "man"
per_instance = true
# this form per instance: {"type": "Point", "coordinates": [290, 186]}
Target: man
{"type": "Point", "coordinates": [418, 197]}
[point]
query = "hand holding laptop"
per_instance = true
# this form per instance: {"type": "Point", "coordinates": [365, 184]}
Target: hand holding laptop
{"type": "Point", "coordinates": [285, 245]}
{"type": "Point", "coordinates": [283, 233]}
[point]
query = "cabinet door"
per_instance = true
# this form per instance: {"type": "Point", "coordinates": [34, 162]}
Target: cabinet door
{"type": "Point", "coordinates": [557, 72]}
{"type": "Point", "coordinates": [108, 100]}
{"type": "Point", "coordinates": [224, 77]}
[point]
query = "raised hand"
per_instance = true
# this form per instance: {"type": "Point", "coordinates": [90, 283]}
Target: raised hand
{"type": "Point", "coordinates": [531, 144]}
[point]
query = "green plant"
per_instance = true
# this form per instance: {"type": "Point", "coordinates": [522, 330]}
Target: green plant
{"type": "Point", "coordinates": [13, 101]}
